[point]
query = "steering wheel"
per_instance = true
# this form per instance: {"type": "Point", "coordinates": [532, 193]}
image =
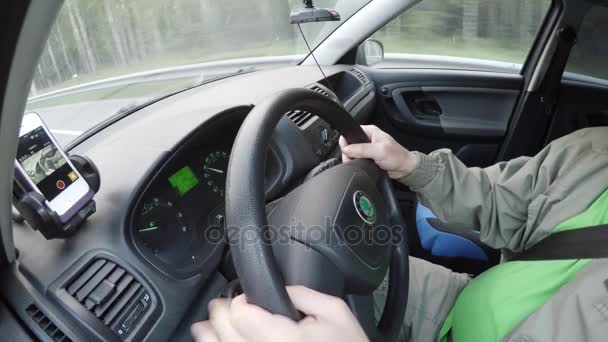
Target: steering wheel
{"type": "Point", "coordinates": [337, 233]}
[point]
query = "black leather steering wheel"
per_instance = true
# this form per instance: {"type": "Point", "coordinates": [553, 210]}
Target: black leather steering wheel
{"type": "Point", "coordinates": [329, 234]}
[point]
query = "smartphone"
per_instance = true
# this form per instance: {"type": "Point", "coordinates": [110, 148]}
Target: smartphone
{"type": "Point", "coordinates": [41, 165]}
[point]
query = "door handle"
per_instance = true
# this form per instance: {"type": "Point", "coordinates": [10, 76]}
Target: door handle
{"type": "Point", "coordinates": [427, 105]}
{"type": "Point", "coordinates": [417, 110]}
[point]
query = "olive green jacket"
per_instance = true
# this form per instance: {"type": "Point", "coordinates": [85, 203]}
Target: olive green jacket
{"type": "Point", "coordinates": [516, 204]}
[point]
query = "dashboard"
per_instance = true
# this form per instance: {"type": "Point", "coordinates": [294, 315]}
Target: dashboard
{"type": "Point", "coordinates": [157, 234]}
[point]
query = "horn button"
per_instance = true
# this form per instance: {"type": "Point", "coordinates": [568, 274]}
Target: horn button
{"type": "Point", "coordinates": [341, 215]}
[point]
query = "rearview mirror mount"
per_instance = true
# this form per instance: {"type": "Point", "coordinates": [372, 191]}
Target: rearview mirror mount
{"type": "Point", "coordinates": [312, 14]}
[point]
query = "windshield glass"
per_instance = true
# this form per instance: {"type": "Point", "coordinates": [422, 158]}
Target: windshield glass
{"type": "Point", "coordinates": [106, 55]}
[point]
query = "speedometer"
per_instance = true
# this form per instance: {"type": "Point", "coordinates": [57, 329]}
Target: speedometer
{"type": "Point", "coordinates": [215, 167]}
{"type": "Point", "coordinates": [160, 225]}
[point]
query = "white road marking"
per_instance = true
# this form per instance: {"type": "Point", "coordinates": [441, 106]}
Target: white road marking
{"type": "Point", "coordinates": [66, 132]}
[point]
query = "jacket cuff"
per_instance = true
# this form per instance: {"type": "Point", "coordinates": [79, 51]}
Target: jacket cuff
{"type": "Point", "coordinates": [426, 169]}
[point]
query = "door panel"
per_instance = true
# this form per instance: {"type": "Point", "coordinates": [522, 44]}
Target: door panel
{"type": "Point", "coordinates": [428, 109]}
{"type": "Point", "coordinates": [466, 111]}
{"type": "Point", "coordinates": [453, 111]}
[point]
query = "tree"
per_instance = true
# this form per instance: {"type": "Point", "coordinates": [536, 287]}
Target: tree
{"type": "Point", "coordinates": [114, 27]}
{"type": "Point", "coordinates": [51, 54]}
{"type": "Point", "coordinates": [67, 62]}
{"type": "Point", "coordinates": [470, 16]}
{"type": "Point", "coordinates": [278, 13]}
{"type": "Point", "coordinates": [81, 36]}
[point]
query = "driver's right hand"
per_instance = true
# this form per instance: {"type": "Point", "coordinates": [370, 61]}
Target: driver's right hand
{"type": "Point", "coordinates": [328, 319]}
{"type": "Point", "coordinates": [393, 158]}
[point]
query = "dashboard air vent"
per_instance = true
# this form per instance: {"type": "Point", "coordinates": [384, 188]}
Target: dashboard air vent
{"type": "Point", "coordinates": [111, 294]}
{"type": "Point", "coordinates": [360, 75]}
{"type": "Point", "coordinates": [300, 117]}
{"type": "Point", "coordinates": [319, 90]}
{"type": "Point", "coordinates": [49, 328]}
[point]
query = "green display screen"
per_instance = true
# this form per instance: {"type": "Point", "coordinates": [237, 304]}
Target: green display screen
{"type": "Point", "coordinates": [183, 180]}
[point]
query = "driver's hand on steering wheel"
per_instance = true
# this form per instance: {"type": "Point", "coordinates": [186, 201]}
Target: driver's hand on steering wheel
{"type": "Point", "coordinates": [393, 158]}
{"type": "Point", "coordinates": [327, 319]}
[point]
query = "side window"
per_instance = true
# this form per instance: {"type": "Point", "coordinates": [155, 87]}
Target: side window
{"type": "Point", "coordinates": [589, 57]}
{"type": "Point", "coordinates": [494, 30]}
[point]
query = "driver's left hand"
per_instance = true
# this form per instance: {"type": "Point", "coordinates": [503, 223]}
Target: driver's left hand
{"type": "Point", "coordinates": [328, 319]}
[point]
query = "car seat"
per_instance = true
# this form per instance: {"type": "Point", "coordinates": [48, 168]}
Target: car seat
{"type": "Point", "coordinates": [462, 251]}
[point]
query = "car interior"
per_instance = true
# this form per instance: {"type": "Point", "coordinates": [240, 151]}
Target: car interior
{"type": "Point", "coordinates": [122, 278]}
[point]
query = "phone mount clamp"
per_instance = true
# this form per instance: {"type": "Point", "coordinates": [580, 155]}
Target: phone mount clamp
{"type": "Point", "coordinates": [32, 207]}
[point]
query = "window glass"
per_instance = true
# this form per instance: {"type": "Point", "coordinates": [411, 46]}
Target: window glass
{"type": "Point", "coordinates": [495, 30]}
{"type": "Point", "coordinates": [589, 56]}
{"type": "Point", "coordinates": [105, 56]}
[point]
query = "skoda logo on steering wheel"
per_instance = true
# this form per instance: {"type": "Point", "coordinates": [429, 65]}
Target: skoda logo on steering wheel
{"type": "Point", "coordinates": [364, 207]}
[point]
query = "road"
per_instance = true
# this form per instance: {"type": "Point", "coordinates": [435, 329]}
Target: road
{"type": "Point", "coordinates": [71, 111]}
{"type": "Point", "coordinates": [67, 122]}
{"type": "Point", "coordinates": [69, 115]}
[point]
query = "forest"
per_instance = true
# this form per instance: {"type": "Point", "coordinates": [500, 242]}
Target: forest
{"type": "Point", "coordinates": [94, 39]}
{"type": "Point", "coordinates": [483, 29]}
{"type": "Point", "coordinates": [97, 39]}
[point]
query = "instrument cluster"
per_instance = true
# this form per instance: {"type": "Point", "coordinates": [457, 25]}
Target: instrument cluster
{"type": "Point", "coordinates": [177, 221]}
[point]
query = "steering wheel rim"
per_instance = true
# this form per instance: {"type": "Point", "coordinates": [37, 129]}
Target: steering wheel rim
{"type": "Point", "coordinates": [259, 272]}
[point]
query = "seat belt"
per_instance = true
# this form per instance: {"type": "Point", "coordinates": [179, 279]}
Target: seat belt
{"type": "Point", "coordinates": [582, 243]}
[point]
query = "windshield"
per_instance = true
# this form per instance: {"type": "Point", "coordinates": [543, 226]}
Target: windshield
{"type": "Point", "coordinates": [106, 55]}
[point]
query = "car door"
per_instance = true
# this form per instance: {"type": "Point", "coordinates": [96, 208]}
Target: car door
{"type": "Point", "coordinates": [452, 73]}
{"type": "Point", "coordinates": [451, 77]}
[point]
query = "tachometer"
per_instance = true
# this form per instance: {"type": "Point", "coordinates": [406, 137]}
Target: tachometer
{"type": "Point", "coordinates": [215, 166]}
{"type": "Point", "coordinates": [160, 225]}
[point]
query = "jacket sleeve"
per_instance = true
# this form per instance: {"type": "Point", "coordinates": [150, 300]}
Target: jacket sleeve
{"type": "Point", "coordinates": [493, 200]}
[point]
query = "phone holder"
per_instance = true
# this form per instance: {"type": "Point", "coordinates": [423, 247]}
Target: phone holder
{"type": "Point", "coordinates": [32, 205]}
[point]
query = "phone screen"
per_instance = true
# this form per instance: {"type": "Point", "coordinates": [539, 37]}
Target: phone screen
{"type": "Point", "coordinates": [44, 164]}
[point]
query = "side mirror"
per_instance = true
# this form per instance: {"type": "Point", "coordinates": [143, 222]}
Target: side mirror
{"type": "Point", "coordinates": [374, 51]}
